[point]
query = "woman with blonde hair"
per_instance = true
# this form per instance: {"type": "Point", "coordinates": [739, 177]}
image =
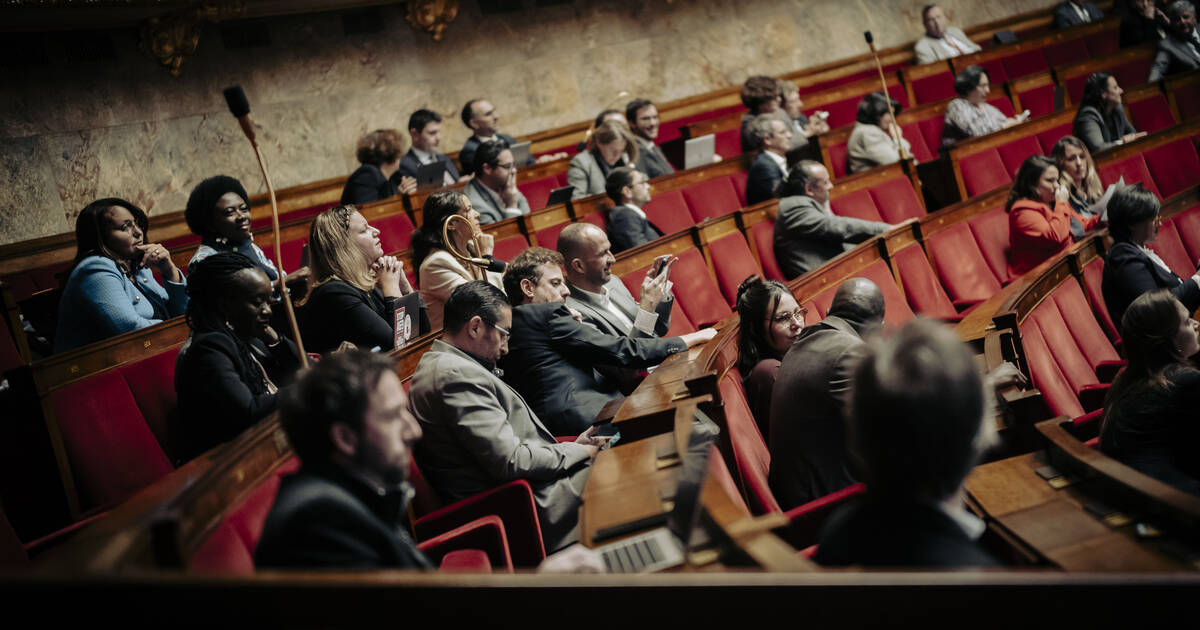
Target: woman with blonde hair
{"type": "Point", "coordinates": [1077, 172]}
{"type": "Point", "coordinates": [438, 271]}
{"type": "Point", "coordinates": [356, 285]}
{"type": "Point", "coordinates": [611, 145]}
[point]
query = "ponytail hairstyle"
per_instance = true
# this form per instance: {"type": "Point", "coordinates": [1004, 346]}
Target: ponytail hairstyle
{"type": "Point", "coordinates": [211, 281]}
{"type": "Point", "coordinates": [757, 301]}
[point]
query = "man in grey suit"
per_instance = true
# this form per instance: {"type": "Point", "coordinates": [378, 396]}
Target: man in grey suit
{"type": "Point", "coordinates": [642, 116]}
{"type": "Point", "coordinates": [1179, 51]}
{"type": "Point", "coordinates": [807, 232]}
{"type": "Point", "coordinates": [941, 41]}
{"type": "Point", "coordinates": [808, 437]}
{"type": "Point", "coordinates": [479, 432]}
{"type": "Point", "coordinates": [493, 192]}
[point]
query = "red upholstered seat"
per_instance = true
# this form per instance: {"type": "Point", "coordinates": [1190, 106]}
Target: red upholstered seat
{"type": "Point", "coordinates": [1093, 276]}
{"type": "Point", "coordinates": [934, 88]}
{"type": "Point", "coordinates": [230, 548]}
{"type": "Point", "coordinates": [598, 219]}
{"type": "Point", "coordinates": [680, 324]}
{"type": "Point", "coordinates": [738, 180]}
{"type": "Point", "coordinates": [479, 546]}
{"type": "Point", "coordinates": [1132, 168]}
{"type": "Point", "coordinates": [507, 248]}
{"type": "Point", "coordinates": [1075, 87]}
{"type": "Point", "coordinates": [898, 311]}
{"type": "Point", "coordinates": [1077, 314]}
{"type": "Point", "coordinates": [711, 198]}
{"type": "Point", "coordinates": [548, 236]}
{"type": "Point", "coordinates": [1047, 139]}
{"type": "Point", "coordinates": [925, 294]}
{"type": "Point", "coordinates": [750, 453]}
{"type": "Point", "coordinates": [896, 200]}
{"type": "Point", "coordinates": [1187, 98]}
{"type": "Point", "coordinates": [669, 211]}
{"type": "Point", "coordinates": [695, 290]}
{"type": "Point", "coordinates": [1188, 224]}
{"type": "Point", "coordinates": [1064, 53]}
{"type": "Point", "coordinates": [1152, 114]}
{"type": "Point", "coordinates": [996, 71]}
{"type": "Point", "coordinates": [537, 191]}
{"type": "Point", "coordinates": [1170, 248]}
{"type": "Point", "coordinates": [1013, 153]}
{"type": "Point", "coordinates": [921, 151]}
{"type": "Point", "coordinates": [719, 471]}
{"type": "Point", "coordinates": [728, 144]}
{"type": "Point", "coordinates": [1174, 166]}
{"type": "Point", "coordinates": [763, 235]}
{"type": "Point", "coordinates": [983, 171]}
{"type": "Point", "coordinates": [1047, 377]}
{"type": "Point", "coordinates": [290, 252]}
{"type": "Point", "coordinates": [733, 262]}
{"type": "Point", "coordinates": [990, 230]}
{"type": "Point", "coordinates": [1002, 103]}
{"type": "Point", "coordinates": [961, 266]}
{"type": "Point", "coordinates": [1038, 100]}
{"type": "Point", "coordinates": [1058, 338]}
{"type": "Point", "coordinates": [1132, 73]}
{"type": "Point", "coordinates": [837, 160]}
{"type": "Point", "coordinates": [152, 383]}
{"type": "Point", "coordinates": [1025, 63]}
{"type": "Point", "coordinates": [1105, 42]}
{"type": "Point", "coordinates": [931, 130]}
{"type": "Point", "coordinates": [858, 204]}
{"type": "Point", "coordinates": [395, 231]}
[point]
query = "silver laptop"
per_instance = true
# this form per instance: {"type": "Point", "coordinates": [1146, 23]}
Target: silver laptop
{"type": "Point", "coordinates": [699, 151]}
{"type": "Point", "coordinates": [521, 155]}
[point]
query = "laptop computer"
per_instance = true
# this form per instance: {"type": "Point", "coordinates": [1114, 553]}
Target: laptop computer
{"type": "Point", "coordinates": [560, 195]}
{"type": "Point", "coordinates": [431, 174]}
{"type": "Point", "coordinates": [407, 314]}
{"type": "Point", "coordinates": [699, 151]}
{"type": "Point", "coordinates": [521, 155]}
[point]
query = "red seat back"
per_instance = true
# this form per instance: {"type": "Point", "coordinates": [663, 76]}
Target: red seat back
{"type": "Point", "coordinates": [711, 198]}
{"type": "Point", "coordinates": [1170, 248]}
{"type": "Point", "coordinates": [152, 383]}
{"type": "Point", "coordinates": [695, 290]}
{"type": "Point", "coordinates": [837, 159]}
{"type": "Point", "coordinates": [738, 180]}
{"type": "Point", "coordinates": [229, 550]}
{"type": "Point", "coordinates": [733, 262]}
{"type": "Point", "coordinates": [1174, 166]}
{"type": "Point", "coordinates": [1047, 139]}
{"type": "Point", "coordinates": [1132, 168]}
{"type": "Point", "coordinates": [395, 232]}
{"type": "Point", "coordinates": [1025, 63]}
{"type": "Point", "coordinates": [1152, 114]}
{"type": "Point", "coordinates": [537, 191]}
{"type": "Point", "coordinates": [548, 236]}
{"type": "Point", "coordinates": [990, 230]}
{"type": "Point", "coordinates": [680, 324]}
{"type": "Point", "coordinates": [931, 130]}
{"type": "Point", "coordinates": [1133, 72]}
{"type": "Point", "coordinates": [1039, 100]}
{"type": "Point", "coordinates": [858, 205]}
{"type": "Point", "coordinates": [983, 171]}
{"type": "Point", "coordinates": [960, 266]}
{"type": "Point", "coordinates": [669, 212]}
{"type": "Point", "coordinates": [897, 311]}
{"type": "Point", "coordinates": [896, 200]}
{"type": "Point", "coordinates": [934, 88]}
{"type": "Point", "coordinates": [1064, 53]}
{"type": "Point", "coordinates": [1047, 376]}
{"type": "Point", "coordinates": [925, 294]}
{"type": "Point", "coordinates": [750, 453]}
{"type": "Point", "coordinates": [1014, 153]}
{"type": "Point", "coordinates": [764, 242]}
{"type": "Point", "coordinates": [1081, 321]}
{"type": "Point", "coordinates": [1071, 362]}
{"type": "Point", "coordinates": [921, 151]}
{"type": "Point", "coordinates": [507, 248]}
{"type": "Point", "coordinates": [1093, 278]}
{"type": "Point", "coordinates": [1105, 42]}
{"type": "Point", "coordinates": [290, 252]}
{"type": "Point", "coordinates": [1188, 224]}
{"type": "Point", "coordinates": [728, 144]}
{"type": "Point", "coordinates": [1187, 98]}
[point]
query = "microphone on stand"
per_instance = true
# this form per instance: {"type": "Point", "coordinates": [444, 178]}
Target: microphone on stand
{"type": "Point", "coordinates": [887, 98]}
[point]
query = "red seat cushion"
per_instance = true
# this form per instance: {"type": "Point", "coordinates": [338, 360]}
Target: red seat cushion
{"type": "Point", "coordinates": [1047, 376]}
{"type": "Point", "coordinates": [1071, 361]}
{"type": "Point", "coordinates": [990, 230]}
{"type": "Point", "coordinates": [1188, 224]}
{"type": "Point", "coordinates": [152, 383]}
{"type": "Point", "coordinates": [395, 232]}
{"type": "Point", "coordinates": [960, 266]}
{"type": "Point", "coordinates": [695, 290]}
{"type": "Point", "coordinates": [680, 324]}
{"type": "Point", "coordinates": [858, 205]}
{"type": "Point", "coordinates": [764, 243]}
{"type": "Point", "coordinates": [507, 248]}
{"type": "Point", "coordinates": [738, 180]}
{"type": "Point", "coordinates": [750, 453]}
{"type": "Point", "coordinates": [711, 198]}
{"type": "Point", "coordinates": [983, 171]}
{"type": "Point", "coordinates": [1081, 321]}
{"type": "Point", "coordinates": [669, 212]}
{"type": "Point", "coordinates": [733, 262]}
{"type": "Point", "coordinates": [921, 151]}
{"type": "Point", "coordinates": [1093, 278]}
{"type": "Point", "coordinates": [1152, 114]}
{"type": "Point", "coordinates": [931, 129]}
{"type": "Point", "coordinates": [925, 294]}
{"type": "Point", "coordinates": [1174, 166]}
{"type": "Point", "coordinates": [896, 200]}
{"type": "Point", "coordinates": [1132, 168]}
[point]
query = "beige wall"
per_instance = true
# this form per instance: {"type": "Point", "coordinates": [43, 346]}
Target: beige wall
{"type": "Point", "coordinates": [70, 133]}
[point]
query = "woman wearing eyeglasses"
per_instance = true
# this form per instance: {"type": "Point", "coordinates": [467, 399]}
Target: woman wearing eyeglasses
{"type": "Point", "coordinates": [771, 321]}
{"type": "Point", "coordinates": [219, 213]}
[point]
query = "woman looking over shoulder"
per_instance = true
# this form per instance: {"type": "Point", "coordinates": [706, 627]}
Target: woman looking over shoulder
{"type": "Point", "coordinates": [111, 287]}
{"type": "Point", "coordinates": [1077, 172]}
{"type": "Point", "coordinates": [379, 154]}
{"type": "Point", "coordinates": [217, 212]}
{"type": "Point", "coordinates": [871, 143]}
{"type": "Point", "coordinates": [1039, 217]}
{"type": "Point", "coordinates": [439, 272]}
{"type": "Point", "coordinates": [1130, 267]}
{"type": "Point", "coordinates": [233, 363]}
{"type": "Point", "coordinates": [1100, 121]}
{"type": "Point", "coordinates": [770, 322]}
{"type": "Point", "coordinates": [1152, 411]}
{"type": "Point", "coordinates": [355, 285]}
{"type": "Point", "coordinates": [612, 145]}
{"type": "Point", "coordinates": [970, 115]}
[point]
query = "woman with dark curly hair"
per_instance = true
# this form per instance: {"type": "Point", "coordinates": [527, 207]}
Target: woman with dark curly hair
{"type": "Point", "coordinates": [1039, 215]}
{"type": "Point", "coordinates": [770, 321]}
{"type": "Point", "coordinates": [970, 114]}
{"type": "Point", "coordinates": [379, 154]}
{"type": "Point", "coordinates": [218, 211]}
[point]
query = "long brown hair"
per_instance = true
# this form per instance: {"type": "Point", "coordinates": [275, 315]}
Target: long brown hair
{"type": "Point", "coordinates": [1148, 330]}
{"type": "Point", "coordinates": [334, 255]}
{"type": "Point", "coordinates": [1092, 189]}
{"type": "Point", "coordinates": [91, 225]}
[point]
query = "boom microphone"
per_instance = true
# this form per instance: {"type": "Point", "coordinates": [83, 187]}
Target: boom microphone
{"type": "Point", "coordinates": [239, 106]}
{"type": "Point", "coordinates": [869, 37]}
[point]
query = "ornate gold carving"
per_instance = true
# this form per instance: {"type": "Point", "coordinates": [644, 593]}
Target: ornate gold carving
{"type": "Point", "coordinates": [173, 37]}
{"type": "Point", "coordinates": [432, 16]}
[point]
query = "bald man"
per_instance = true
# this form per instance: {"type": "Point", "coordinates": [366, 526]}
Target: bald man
{"type": "Point", "coordinates": [808, 434]}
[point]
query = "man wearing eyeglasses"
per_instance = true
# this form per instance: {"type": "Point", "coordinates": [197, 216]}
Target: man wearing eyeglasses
{"type": "Point", "coordinates": [493, 192]}
{"type": "Point", "coordinates": [479, 432]}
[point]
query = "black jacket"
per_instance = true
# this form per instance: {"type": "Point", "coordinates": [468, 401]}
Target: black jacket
{"type": "Point", "coordinates": [627, 229]}
{"type": "Point", "coordinates": [1129, 273]}
{"type": "Point", "coordinates": [367, 183]}
{"type": "Point", "coordinates": [1098, 131]}
{"type": "Point", "coordinates": [764, 179]}
{"type": "Point", "coordinates": [897, 534]}
{"type": "Point", "coordinates": [337, 311]}
{"type": "Point", "coordinates": [410, 163]}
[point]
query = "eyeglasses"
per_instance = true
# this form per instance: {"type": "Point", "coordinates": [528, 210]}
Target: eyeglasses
{"type": "Point", "coordinates": [508, 166]}
{"type": "Point", "coordinates": [504, 334]}
{"type": "Point", "coordinates": [796, 316]}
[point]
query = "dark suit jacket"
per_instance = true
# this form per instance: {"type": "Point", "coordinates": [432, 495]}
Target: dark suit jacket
{"type": "Point", "coordinates": [1129, 273]}
{"type": "Point", "coordinates": [410, 163]}
{"type": "Point", "coordinates": [896, 534]}
{"type": "Point", "coordinates": [1174, 56]}
{"type": "Point", "coordinates": [1137, 29]}
{"type": "Point", "coordinates": [806, 236]}
{"type": "Point", "coordinates": [763, 182]}
{"type": "Point", "coordinates": [628, 229]}
{"type": "Point", "coordinates": [651, 159]}
{"type": "Point", "coordinates": [1098, 131]}
{"type": "Point", "coordinates": [215, 402]}
{"type": "Point", "coordinates": [367, 183]}
{"type": "Point", "coordinates": [808, 435]}
{"type": "Point", "coordinates": [1155, 431]}
{"type": "Point", "coordinates": [1065, 15]}
{"type": "Point", "coordinates": [337, 311]}
{"type": "Point", "coordinates": [324, 517]}
{"type": "Point", "coordinates": [551, 357]}
{"type": "Point", "coordinates": [466, 155]}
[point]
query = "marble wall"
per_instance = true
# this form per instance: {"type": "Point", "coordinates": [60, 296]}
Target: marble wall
{"type": "Point", "coordinates": [74, 130]}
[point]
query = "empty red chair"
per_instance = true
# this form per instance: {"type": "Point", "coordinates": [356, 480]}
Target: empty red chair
{"type": "Point", "coordinates": [598, 219]}
{"type": "Point", "coordinates": [990, 230]}
{"type": "Point", "coordinates": [695, 290]}
{"type": "Point", "coordinates": [669, 212]}
{"type": "Point", "coordinates": [1093, 278]}
{"type": "Point", "coordinates": [961, 267]}
{"type": "Point", "coordinates": [152, 383]}
{"type": "Point", "coordinates": [711, 198]}
{"type": "Point", "coordinates": [728, 143]}
{"type": "Point", "coordinates": [537, 191]}
{"type": "Point", "coordinates": [733, 262]}
{"type": "Point", "coordinates": [858, 204]}
{"type": "Point", "coordinates": [1187, 98]}
{"type": "Point", "coordinates": [1170, 248]}
{"type": "Point", "coordinates": [921, 151]}
{"type": "Point", "coordinates": [1188, 224]}
{"type": "Point", "coordinates": [750, 454]}
{"type": "Point", "coordinates": [1013, 153]}
{"type": "Point", "coordinates": [1133, 72]}
{"type": "Point", "coordinates": [290, 251]}
{"type": "Point", "coordinates": [925, 294]}
{"type": "Point", "coordinates": [1072, 364]}
{"type": "Point", "coordinates": [1039, 100]}
{"type": "Point", "coordinates": [1095, 345]}
{"type": "Point", "coordinates": [395, 232]}
{"type": "Point", "coordinates": [934, 88]}
{"type": "Point", "coordinates": [507, 248]}
{"type": "Point", "coordinates": [931, 130]}
{"type": "Point", "coordinates": [1047, 376]}
{"type": "Point", "coordinates": [897, 311]}
{"type": "Point", "coordinates": [1152, 114]}
{"type": "Point", "coordinates": [837, 160]}
{"type": "Point", "coordinates": [763, 235]}
{"type": "Point", "coordinates": [1105, 42]}
{"type": "Point", "coordinates": [1048, 138]}
{"type": "Point", "coordinates": [1025, 63]}
{"type": "Point", "coordinates": [896, 200]}
{"type": "Point", "coordinates": [983, 171]}
{"type": "Point", "coordinates": [738, 180]}
{"type": "Point", "coordinates": [997, 74]}
{"type": "Point", "coordinates": [1174, 166]}
{"type": "Point", "coordinates": [1132, 168]}
{"type": "Point", "coordinates": [1064, 53]}
{"type": "Point", "coordinates": [548, 236]}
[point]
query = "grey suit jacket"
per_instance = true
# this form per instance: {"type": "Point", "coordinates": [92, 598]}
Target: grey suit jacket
{"type": "Point", "coordinates": [930, 49]}
{"type": "Point", "coordinates": [1174, 55]}
{"type": "Point", "coordinates": [806, 236]}
{"type": "Point", "coordinates": [485, 205]}
{"type": "Point", "coordinates": [586, 176]}
{"type": "Point", "coordinates": [595, 314]}
{"type": "Point", "coordinates": [651, 159]}
{"type": "Point", "coordinates": [479, 433]}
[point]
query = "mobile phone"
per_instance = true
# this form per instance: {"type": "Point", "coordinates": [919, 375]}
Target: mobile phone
{"type": "Point", "coordinates": [823, 115]}
{"type": "Point", "coordinates": [659, 263]}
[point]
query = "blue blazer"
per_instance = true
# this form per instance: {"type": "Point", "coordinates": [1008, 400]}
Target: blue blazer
{"type": "Point", "coordinates": [99, 302]}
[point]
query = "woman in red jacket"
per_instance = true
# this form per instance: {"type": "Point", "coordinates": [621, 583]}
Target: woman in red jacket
{"type": "Point", "coordinates": [1039, 215]}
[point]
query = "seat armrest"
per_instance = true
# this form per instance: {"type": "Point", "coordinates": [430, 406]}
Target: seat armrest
{"type": "Point", "coordinates": [458, 549]}
{"type": "Point", "coordinates": [1106, 371]}
{"type": "Point", "coordinates": [1091, 397]}
{"type": "Point", "coordinates": [512, 502]}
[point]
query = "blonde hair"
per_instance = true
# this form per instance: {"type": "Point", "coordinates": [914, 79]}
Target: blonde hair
{"type": "Point", "coordinates": [333, 255]}
{"type": "Point", "coordinates": [1092, 189]}
{"type": "Point", "coordinates": [609, 131]}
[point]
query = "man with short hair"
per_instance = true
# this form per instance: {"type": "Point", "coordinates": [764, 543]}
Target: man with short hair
{"type": "Point", "coordinates": [941, 41]}
{"type": "Point", "coordinates": [807, 435]}
{"type": "Point", "coordinates": [801, 126]}
{"type": "Point", "coordinates": [1145, 22]}
{"type": "Point", "coordinates": [628, 226]}
{"type": "Point", "coordinates": [643, 120]}
{"type": "Point", "coordinates": [770, 165]}
{"type": "Point", "coordinates": [807, 232]}
{"type": "Point", "coordinates": [493, 192]}
{"type": "Point", "coordinates": [347, 419]}
{"type": "Point", "coordinates": [761, 95]}
{"type": "Point", "coordinates": [480, 117]}
{"type": "Point", "coordinates": [552, 355]}
{"type": "Point", "coordinates": [918, 425]}
{"type": "Point", "coordinates": [1075, 13]}
{"type": "Point", "coordinates": [1179, 51]}
{"type": "Point", "coordinates": [479, 432]}
{"type": "Point", "coordinates": [425, 128]}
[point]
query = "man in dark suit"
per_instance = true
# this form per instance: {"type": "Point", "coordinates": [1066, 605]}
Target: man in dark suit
{"type": "Point", "coordinates": [807, 233]}
{"type": "Point", "coordinates": [628, 225]}
{"type": "Point", "coordinates": [552, 355]}
{"type": "Point", "coordinates": [918, 425]}
{"type": "Point", "coordinates": [642, 116]}
{"type": "Point", "coordinates": [769, 169]}
{"type": "Point", "coordinates": [807, 435]}
{"type": "Point", "coordinates": [1179, 51]}
{"type": "Point", "coordinates": [480, 117]}
{"type": "Point", "coordinates": [425, 128]}
{"type": "Point", "coordinates": [347, 419]}
{"type": "Point", "coordinates": [1145, 22]}
{"type": "Point", "coordinates": [1073, 13]}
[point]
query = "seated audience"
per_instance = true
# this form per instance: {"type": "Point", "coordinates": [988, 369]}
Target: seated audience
{"type": "Point", "coordinates": [111, 287]}
{"type": "Point", "coordinates": [233, 363]}
{"type": "Point", "coordinates": [425, 128]}
{"type": "Point", "coordinates": [918, 423]}
{"type": "Point", "coordinates": [217, 212]}
{"type": "Point", "coordinates": [1039, 215]}
{"type": "Point", "coordinates": [438, 271]}
{"type": "Point", "coordinates": [773, 137]}
{"type": "Point", "coordinates": [761, 95]}
{"type": "Point", "coordinates": [479, 432]}
{"type": "Point", "coordinates": [1078, 173]}
{"type": "Point", "coordinates": [871, 141]}
{"type": "Point", "coordinates": [1144, 23]}
{"type": "Point", "coordinates": [643, 120]}
{"type": "Point", "coordinates": [379, 154]}
{"type": "Point", "coordinates": [1130, 267]}
{"type": "Point", "coordinates": [348, 421]}
{"type": "Point", "coordinates": [627, 224]}
{"type": "Point", "coordinates": [1100, 121]}
{"type": "Point", "coordinates": [807, 232]}
{"type": "Point", "coordinates": [611, 146]}
{"type": "Point", "coordinates": [770, 322]}
{"type": "Point", "coordinates": [801, 126]}
{"type": "Point", "coordinates": [970, 115]}
{"type": "Point", "coordinates": [1179, 51]}
{"type": "Point", "coordinates": [1074, 13]}
{"type": "Point", "coordinates": [941, 41]}
{"type": "Point", "coordinates": [493, 191]}
{"type": "Point", "coordinates": [807, 436]}
{"type": "Point", "coordinates": [355, 286]}
{"type": "Point", "coordinates": [601, 118]}
{"type": "Point", "coordinates": [1150, 413]}
{"type": "Point", "coordinates": [480, 117]}
{"type": "Point", "coordinates": [552, 356]}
